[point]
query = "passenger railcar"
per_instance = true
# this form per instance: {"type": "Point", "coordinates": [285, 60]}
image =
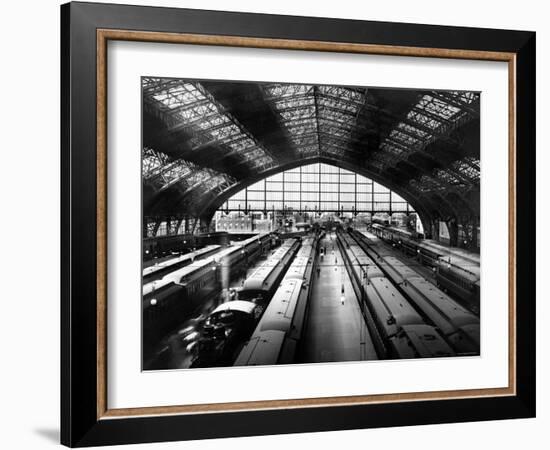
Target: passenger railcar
{"type": "Point", "coordinates": [263, 282]}
{"type": "Point", "coordinates": [278, 317]}
{"type": "Point", "coordinates": [158, 270]}
{"type": "Point", "coordinates": [257, 290]}
{"type": "Point", "coordinates": [160, 246]}
{"type": "Point", "coordinates": [420, 341]}
{"type": "Point", "coordinates": [396, 328]}
{"type": "Point", "coordinates": [262, 349]}
{"type": "Point", "coordinates": [459, 326]}
{"type": "Point", "coordinates": [254, 246]}
{"type": "Point", "coordinates": [456, 270]}
{"type": "Point", "coordinates": [399, 322]}
{"type": "Point", "coordinates": [277, 336]}
{"type": "Point", "coordinates": [169, 300]}
{"type": "Point", "coordinates": [381, 218]}
{"type": "Point", "coordinates": [428, 251]}
{"type": "Point", "coordinates": [213, 237]}
{"type": "Point", "coordinates": [463, 284]}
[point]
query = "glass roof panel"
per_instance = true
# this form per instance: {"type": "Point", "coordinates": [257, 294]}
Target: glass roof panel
{"type": "Point", "coordinates": [197, 110]}
{"type": "Point", "coordinates": [437, 107]}
{"type": "Point", "coordinates": [431, 115]}
{"type": "Point", "coordinates": [469, 168]}
{"type": "Point", "coordinates": [157, 169]}
{"type": "Point", "coordinates": [295, 105]}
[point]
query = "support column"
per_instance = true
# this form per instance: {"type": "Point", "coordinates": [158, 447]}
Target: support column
{"type": "Point", "coordinates": [194, 227]}
{"type": "Point", "coordinates": [453, 232]}
{"type": "Point", "coordinates": [204, 224]}
{"type": "Point", "coordinates": [144, 228]}
{"type": "Point", "coordinates": [475, 221]}
{"type": "Point", "coordinates": [187, 229]}
{"type": "Point", "coordinates": [169, 229]}
{"type": "Point", "coordinates": [435, 229]}
{"type": "Point", "coordinates": [156, 226]}
{"type": "Point", "coordinates": [427, 225]}
{"type": "Point", "coordinates": [178, 225]}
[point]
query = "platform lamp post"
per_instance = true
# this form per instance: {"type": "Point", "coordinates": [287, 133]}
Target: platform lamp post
{"type": "Point", "coordinates": [364, 283]}
{"type": "Point", "coordinates": [153, 301]}
{"type": "Point", "coordinates": [342, 290]}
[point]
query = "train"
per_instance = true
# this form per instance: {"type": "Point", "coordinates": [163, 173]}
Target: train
{"type": "Point", "coordinates": [157, 270]}
{"type": "Point", "coordinates": [397, 330]}
{"type": "Point", "coordinates": [456, 270]}
{"type": "Point", "coordinates": [277, 336]}
{"type": "Point", "coordinates": [223, 331]}
{"type": "Point", "coordinates": [169, 300]}
{"type": "Point", "coordinates": [459, 326]}
{"type": "Point", "coordinates": [159, 246]}
{"type": "Point", "coordinates": [381, 218]}
{"type": "Point", "coordinates": [263, 282]}
{"type": "Point", "coordinates": [220, 349]}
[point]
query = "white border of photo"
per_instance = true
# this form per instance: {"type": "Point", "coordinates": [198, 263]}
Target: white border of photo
{"type": "Point", "coordinates": [128, 386]}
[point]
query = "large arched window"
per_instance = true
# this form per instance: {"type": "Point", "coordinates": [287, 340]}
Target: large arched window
{"type": "Point", "coordinates": [317, 188]}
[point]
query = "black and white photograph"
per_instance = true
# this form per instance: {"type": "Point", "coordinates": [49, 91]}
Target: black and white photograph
{"type": "Point", "coordinates": [275, 225]}
{"type": "Point", "coordinates": [301, 223]}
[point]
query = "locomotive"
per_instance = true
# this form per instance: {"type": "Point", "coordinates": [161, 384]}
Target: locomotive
{"type": "Point", "coordinates": [168, 301]}
{"type": "Point", "coordinates": [220, 348]}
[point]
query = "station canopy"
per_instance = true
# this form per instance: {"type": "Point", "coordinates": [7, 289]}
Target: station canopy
{"type": "Point", "coordinates": [205, 141]}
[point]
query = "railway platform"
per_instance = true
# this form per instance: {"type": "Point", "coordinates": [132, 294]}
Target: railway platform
{"type": "Point", "coordinates": [335, 328]}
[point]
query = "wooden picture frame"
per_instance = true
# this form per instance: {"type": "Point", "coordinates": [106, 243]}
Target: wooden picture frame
{"type": "Point", "coordinates": [85, 417]}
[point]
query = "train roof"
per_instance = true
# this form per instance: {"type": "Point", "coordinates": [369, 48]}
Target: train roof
{"type": "Point", "coordinates": [257, 279]}
{"type": "Point", "coordinates": [444, 304]}
{"type": "Point", "coordinates": [297, 268]}
{"type": "Point", "coordinates": [262, 349]}
{"type": "Point", "coordinates": [375, 244]}
{"type": "Point", "coordinates": [280, 311]}
{"type": "Point", "coordinates": [460, 257]}
{"type": "Point", "coordinates": [362, 259]}
{"type": "Point", "coordinates": [399, 230]}
{"type": "Point", "coordinates": [473, 331]}
{"type": "Point", "coordinates": [172, 261]}
{"type": "Point", "coordinates": [236, 305]}
{"type": "Point", "coordinates": [372, 270]}
{"type": "Point", "coordinates": [288, 242]}
{"type": "Point", "coordinates": [469, 271]}
{"type": "Point", "coordinates": [306, 251]}
{"type": "Point", "coordinates": [452, 251]}
{"type": "Point", "coordinates": [426, 341]}
{"type": "Point", "coordinates": [401, 270]}
{"type": "Point", "coordinates": [394, 303]}
{"type": "Point", "coordinates": [178, 276]}
{"type": "Point", "coordinates": [249, 240]}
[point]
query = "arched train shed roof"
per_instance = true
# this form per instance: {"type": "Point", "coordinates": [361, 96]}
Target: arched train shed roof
{"type": "Point", "coordinates": [205, 140]}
